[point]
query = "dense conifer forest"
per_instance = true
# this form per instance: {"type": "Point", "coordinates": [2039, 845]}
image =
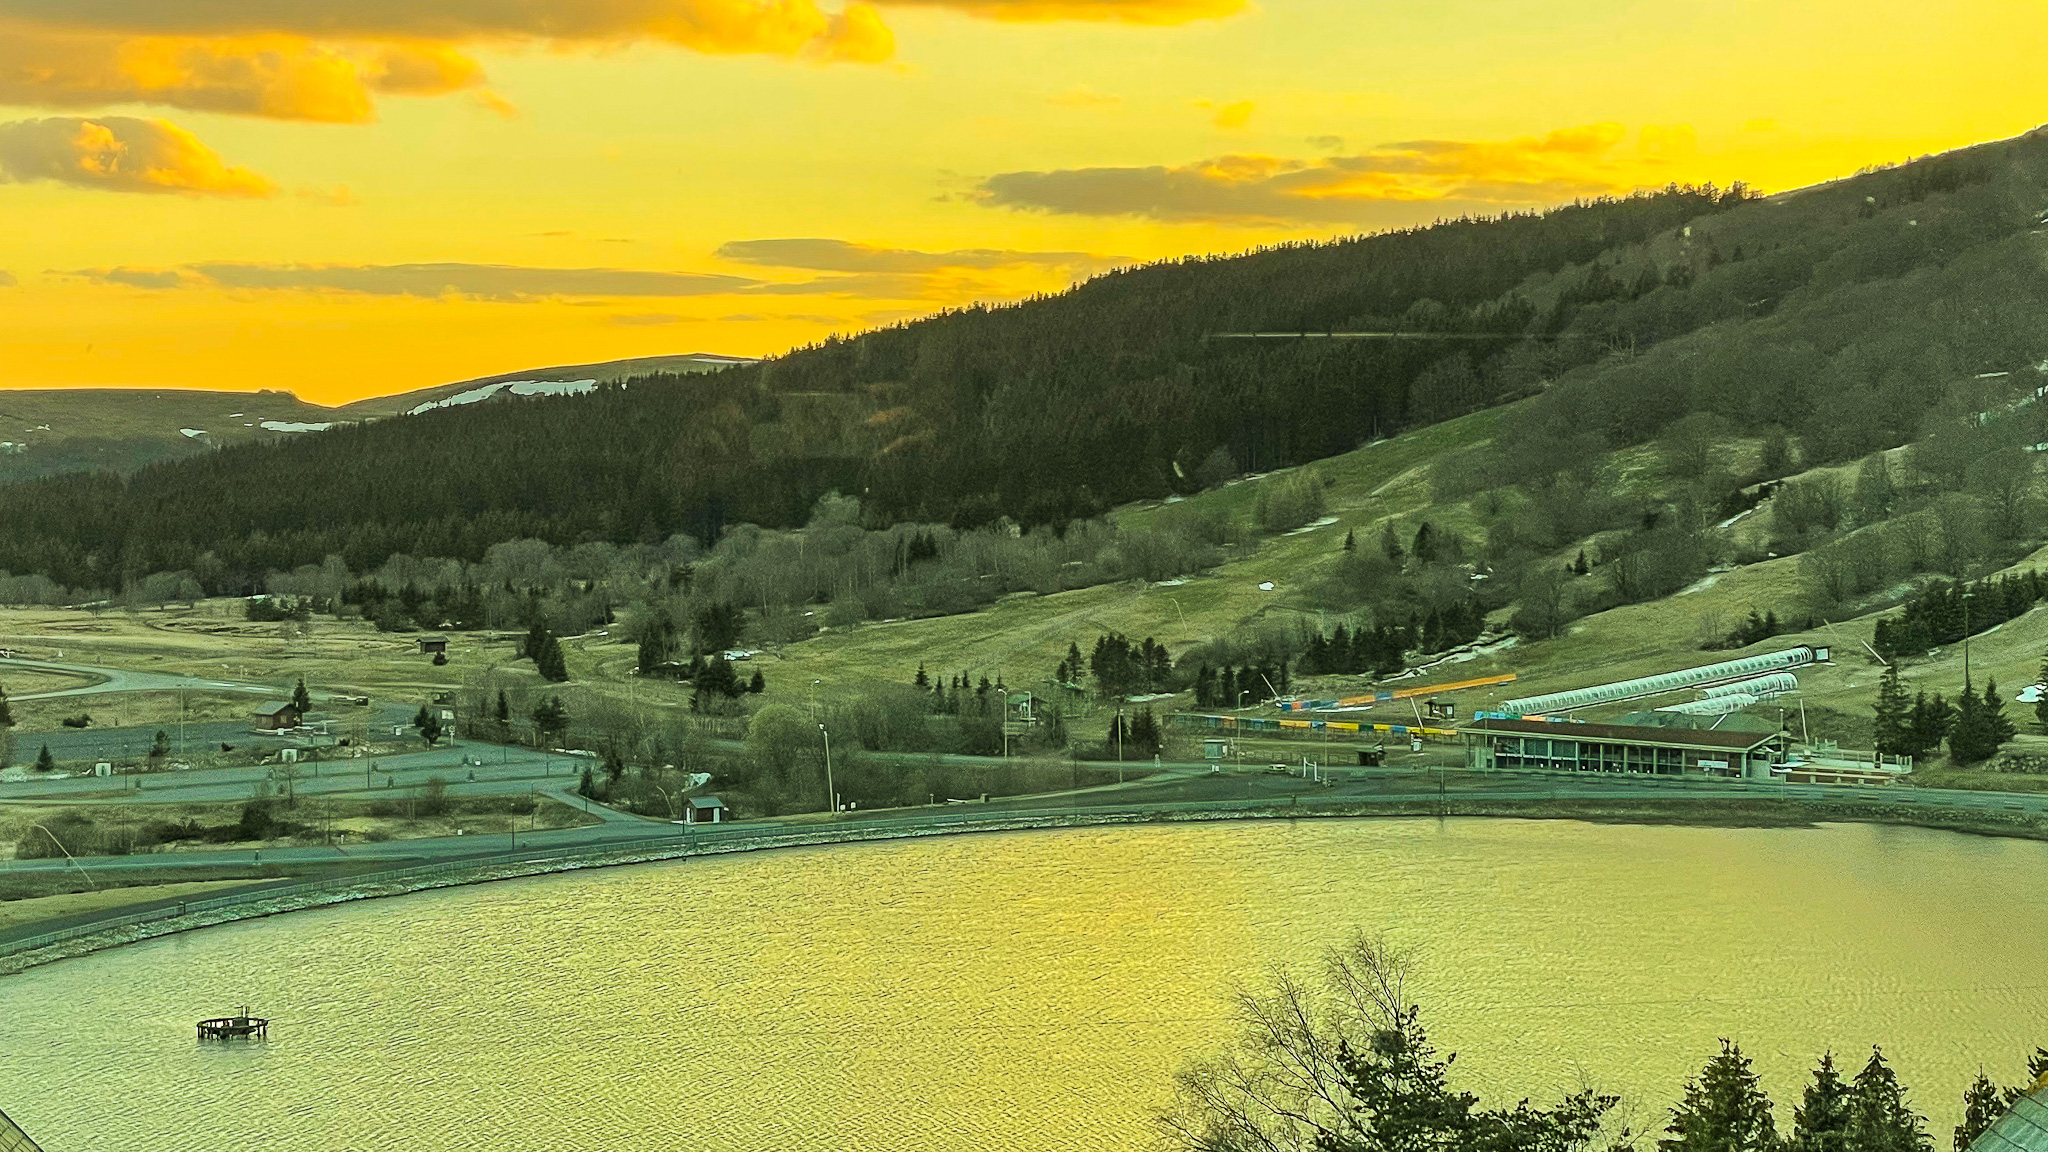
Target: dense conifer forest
{"type": "Point", "coordinates": [1899, 306]}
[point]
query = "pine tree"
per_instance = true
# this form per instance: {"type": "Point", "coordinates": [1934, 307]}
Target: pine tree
{"type": "Point", "coordinates": [1117, 741]}
{"type": "Point", "coordinates": [302, 701]}
{"type": "Point", "coordinates": [1983, 1104]}
{"type": "Point", "coordinates": [1350, 539]}
{"type": "Point", "coordinates": [44, 761]}
{"type": "Point", "coordinates": [1580, 567]}
{"type": "Point", "coordinates": [1975, 734]}
{"type": "Point", "coordinates": [2002, 728]}
{"type": "Point", "coordinates": [1390, 545]}
{"type": "Point", "coordinates": [1893, 726]}
{"type": "Point", "coordinates": [924, 680]}
{"type": "Point", "coordinates": [2040, 705]}
{"type": "Point", "coordinates": [536, 639]}
{"type": "Point", "coordinates": [1879, 1118]}
{"type": "Point", "coordinates": [1821, 1121]}
{"type": "Point", "coordinates": [1143, 739]}
{"type": "Point", "coordinates": [504, 708]}
{"type": "Point", "coordinates": [550, 662]}
{"type": "Point", "coordinates": [758, 684]}
{"type": "Point", "coordinates": [1724, 1110]}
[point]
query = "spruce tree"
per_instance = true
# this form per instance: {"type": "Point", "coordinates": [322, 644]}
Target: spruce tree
{"type": "Point", "coordinates": [504, 708]}
{"type": "Point", "coordinates": [924, 679]}
{"type": "Point", "coordinates": [1821, 1121]}
{"type": "Point", "coordinates": [1893, 726]}
{"type": "Point", "coordinates": [1143, 736]}
{"type": "Point", "coordinates": [550, 663]}
{"type": "Point", "coordinates": [1724, 1110]}
{"type": "Point", "coordinates": [1974, 736]}
{"type": "Point", "coordinates": [1879, 1118]}
{"type": "Point", "coordinates": [2040, 704]}
{"type": "Point", "coordinates": [1580, 567]}
{"type": "Point", "coordinates": [302, 701]}
{"type": "Point", "coordinates": [2002, 728]}
{"type": "Point", "coordinates": [1390, 545]}
{"type": "Point", "coordinates": [1350, 539]}
{"type": "Point", "coordinates": [758, 684]}
{"type": "Point", "coordinates": [44, 761]}
{"type": "Point", "coordinates": [1983, 1104]}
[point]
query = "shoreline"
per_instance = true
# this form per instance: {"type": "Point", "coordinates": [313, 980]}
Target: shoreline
{"type": "Point", "coordinates": [116, 930]}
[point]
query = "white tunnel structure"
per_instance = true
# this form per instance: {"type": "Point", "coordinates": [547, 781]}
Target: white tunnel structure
{"type": "Point", "coordinates": [1724, 673]}
{"type": "Point", "coordinates": [1775, 684]}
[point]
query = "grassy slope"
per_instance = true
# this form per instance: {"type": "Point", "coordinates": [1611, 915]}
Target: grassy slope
{"type": "Point", "coordinates": [129, 413]}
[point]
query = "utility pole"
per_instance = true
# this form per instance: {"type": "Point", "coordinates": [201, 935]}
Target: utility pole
{"type": "Point", "coordinates": [833, 793]}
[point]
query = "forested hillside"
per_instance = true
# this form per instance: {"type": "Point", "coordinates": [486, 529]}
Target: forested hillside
{"type": "Point", "coordinates": [1841, 317]}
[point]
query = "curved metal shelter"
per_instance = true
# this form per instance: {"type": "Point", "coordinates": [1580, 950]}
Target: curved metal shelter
{"type": "Point", "coordinates": [1727, 670]}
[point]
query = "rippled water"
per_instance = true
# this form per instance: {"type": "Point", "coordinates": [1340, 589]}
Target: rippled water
{"type": "Point", "coordinates": [1026, 991]}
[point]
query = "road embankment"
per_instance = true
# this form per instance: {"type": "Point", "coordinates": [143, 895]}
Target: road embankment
{"type": "Point", "coordinates": [116, 930]}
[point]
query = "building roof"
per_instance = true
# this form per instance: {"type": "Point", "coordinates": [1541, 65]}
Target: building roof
{"type": "Point", "coordinates": [706, 802]}
{"type": "Point", "coordinates": [1718, 741]}
{"type": "Point", "coordinates": [2024, 1127]}
{"type": "Point", "coordinates": [275, 708]}
{"type": "Point", "coordinates": [13, 1139]}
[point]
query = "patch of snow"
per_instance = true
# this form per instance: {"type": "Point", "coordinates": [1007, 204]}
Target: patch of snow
{"type": "Point", "coordinates": [2030, 694]}
{"type": "Point", "coordinates": [1325, 522]}
{"type": "Point", "coordinates": [297, 426]}
{"type": "Point", "coordinates": [1176, 582]}
{"type": "Point", "coordinates": [1148, 699]}
{"type": "Point", "coordinates": [1702, 586]}
{"type": "Point", "coordinates": [1265, 585]}
{"type": "Point", "coordinates": [552, 387]}
{"type": "Point", "coordinates": [1173, 499]}
{"type": "Point", "coordinates": [194, 433]}
{"type": "Point", "coordinates": [469, 397]}
{"type": "Point", "coordinates": [1734, 518]}
{"type": "Point", "coordinates": [516, 387]}
{"type": "Point", "coordinates": [235, 415]}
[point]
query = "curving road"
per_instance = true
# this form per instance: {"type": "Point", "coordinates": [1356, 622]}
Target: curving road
{"type": "Point", "coordinates": [102, 680]}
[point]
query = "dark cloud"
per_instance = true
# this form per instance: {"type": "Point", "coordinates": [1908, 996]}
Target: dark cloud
{"type": "Point", "coordinates": [1353, 189]}
{"type": "Point", "coordinates": [133, 277]}
{"type": "Point", "coordinates": [824, 255]}
{"type": "Point", "coordinates": [120, 154]}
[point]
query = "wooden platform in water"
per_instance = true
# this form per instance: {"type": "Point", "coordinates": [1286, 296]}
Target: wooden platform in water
{"type": "Point", "coordinates": [242, 1027]}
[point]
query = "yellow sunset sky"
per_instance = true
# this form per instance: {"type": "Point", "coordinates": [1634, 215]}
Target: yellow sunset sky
{"type": "Point", "coordinates": [353, 197]}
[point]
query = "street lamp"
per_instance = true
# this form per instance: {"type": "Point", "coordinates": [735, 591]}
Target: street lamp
{"type": "Point", "coordinates": [829, 790]}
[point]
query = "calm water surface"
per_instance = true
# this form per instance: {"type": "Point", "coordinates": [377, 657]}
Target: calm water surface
{"type": "Point", "coordinates": [1027, 991]}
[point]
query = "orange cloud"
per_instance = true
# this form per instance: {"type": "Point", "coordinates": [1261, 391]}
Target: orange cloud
{"type": "Point", "coordinates": [120, 154]}
{"type": "Point", "coordinates": [286, 77]}
{"type": "Point", "coordinates": [1475, 175]}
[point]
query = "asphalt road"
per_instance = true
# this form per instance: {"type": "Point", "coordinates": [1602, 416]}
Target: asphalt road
{"type": "Point", "coordinates": [1175, 788]}
{"type": "Point", "coordinates": [103, 680]}
{"type": "Point", "coordinates": [74, 747]}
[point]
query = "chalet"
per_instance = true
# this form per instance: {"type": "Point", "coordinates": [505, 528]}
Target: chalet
{"type": "Point", "coordinates": [433, 645]}
{"type": "Point", "coordinates": [705, 810]}
{"type": "Point", "coordinates": [281, 717]}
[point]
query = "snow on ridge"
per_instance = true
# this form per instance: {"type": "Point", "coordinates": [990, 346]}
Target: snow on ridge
{"type": "Point", "coordinates": [552, 387]}
{"type": "Point", "coordinates": [194, 433]}
{"type": "Point", "coordinates": [517, 387]}
{"type": "Point", "coordinates": [296, 426]}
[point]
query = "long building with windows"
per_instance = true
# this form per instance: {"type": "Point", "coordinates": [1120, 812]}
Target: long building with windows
{"type": "Point", "coordinates": [1578, 747]}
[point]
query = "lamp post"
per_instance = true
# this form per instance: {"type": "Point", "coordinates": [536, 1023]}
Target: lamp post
{"type": "Point", "coordinates": [829, 790]}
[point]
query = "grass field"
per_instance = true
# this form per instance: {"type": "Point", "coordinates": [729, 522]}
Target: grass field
{"type": "Point", "coordinates": [1021, 638]}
